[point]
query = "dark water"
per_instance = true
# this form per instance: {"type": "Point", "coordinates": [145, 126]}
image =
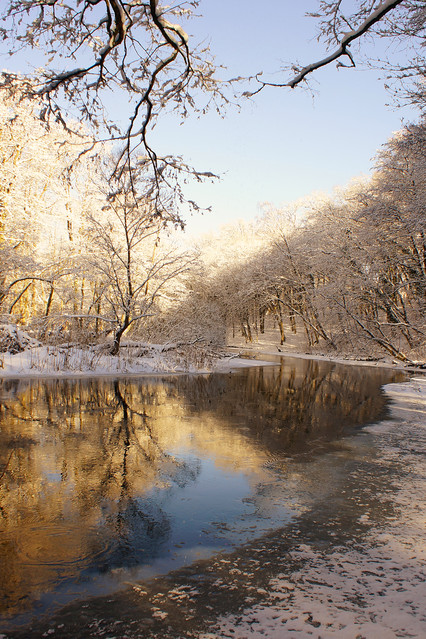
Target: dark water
{"type": "Point", "coordinates": [106, 482]}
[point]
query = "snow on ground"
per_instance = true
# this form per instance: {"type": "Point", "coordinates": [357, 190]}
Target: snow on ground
{"type": "Point", "coordinates": [376, 590]}
{"type": "Point", "coordinates": [69, 361]}
{"type": "Point", "coordinates": [26, 357]}
{"type": "Point", "coordinates": [133, 359]}
{"type": "Point", "coordinates": [46, 361]}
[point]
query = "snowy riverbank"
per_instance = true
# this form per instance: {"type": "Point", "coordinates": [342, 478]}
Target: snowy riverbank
{"type": "Point", "coordinates": [75, 361]}
{"type": "Point", "coordinates": [143, 359]}
{"type": "Point", "coordinates": [24, 356]}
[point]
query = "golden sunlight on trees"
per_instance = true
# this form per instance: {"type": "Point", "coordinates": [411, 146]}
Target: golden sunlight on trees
{"type": "Point", "coordinates": [37, 205]}
{"type": "Point", "coordinates": [80, 257]}
{"type": "Point", "coordinates": [349, 272]}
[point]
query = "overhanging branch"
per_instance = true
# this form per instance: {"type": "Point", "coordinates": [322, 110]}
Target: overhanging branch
{"type": "Point", "coordinates": [341, 51]}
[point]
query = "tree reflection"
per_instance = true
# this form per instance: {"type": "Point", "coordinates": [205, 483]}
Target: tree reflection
{"type": "Point", "coordinates": [78, 462]}
{"type": "Point", "coordinates": [287, 407]}
{"type": "Point", "coordinates": [83, 462]}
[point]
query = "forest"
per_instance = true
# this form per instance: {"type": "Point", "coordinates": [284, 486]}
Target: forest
{"type": "Point", "coordinates": [87, 261]}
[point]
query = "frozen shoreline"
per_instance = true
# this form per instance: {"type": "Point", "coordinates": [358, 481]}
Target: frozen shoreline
{"type": "Point", "coordinates": [66, 362]}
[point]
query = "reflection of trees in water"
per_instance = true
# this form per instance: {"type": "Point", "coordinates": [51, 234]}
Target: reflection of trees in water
{"type": "Point", "coordinates": [286, 407]}
{"type": "Point", "coordinates": [131, 446]}
{"type": "Point", "coordinates": [78, 459]}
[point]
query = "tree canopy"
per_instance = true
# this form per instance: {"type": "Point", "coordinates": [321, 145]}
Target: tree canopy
{"type": "Point", "coordinates": [138, 54]}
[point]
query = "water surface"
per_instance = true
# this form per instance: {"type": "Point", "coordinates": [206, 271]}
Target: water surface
{"type": "Point", "coordinates": [106, 482]}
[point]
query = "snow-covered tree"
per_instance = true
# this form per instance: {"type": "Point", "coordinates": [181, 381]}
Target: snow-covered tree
{"type": "Point", "coordinates": [348, 270]}
{"type": "Point", "coordinates": [133, 268]}
{"type": "Point", "coordinates": [37, 204]}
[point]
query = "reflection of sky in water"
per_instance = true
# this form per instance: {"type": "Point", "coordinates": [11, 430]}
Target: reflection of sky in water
{"type": "Point", "coordinates": [174, 525]}
{"type": "Point", "coordinates": [113, 482]}
{"type": "Point", "coordinates": [218, 510]}
{"type": "Point", "coordinates": [171, 526]}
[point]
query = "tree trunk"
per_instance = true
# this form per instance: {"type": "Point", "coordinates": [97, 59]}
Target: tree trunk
{"type": "Point", "coordinates": [118, 335]}
{"type": "Point", "coordinates": [246, 330]}
{"type": "Point", "coordinates": [262, 313]}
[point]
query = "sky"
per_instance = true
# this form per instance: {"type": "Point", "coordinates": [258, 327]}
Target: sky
{"type": "Point", "coordinates": [282, 144]}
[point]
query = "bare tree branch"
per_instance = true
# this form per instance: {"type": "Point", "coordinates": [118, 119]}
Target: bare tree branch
{"type": "Point", "coordinates": [341, 51]}
{"type": "Point", "coordinates": [134, 51]}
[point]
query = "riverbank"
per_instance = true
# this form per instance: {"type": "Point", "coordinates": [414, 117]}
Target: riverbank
{"type": "Point", "coordinates": [132, 360]}
{"type": "Point", "coordinates": [24, 356]}
{"type": "Point", "coordinates": [295, 346]}
{"type": "Point", "coordinates": [141, 359]}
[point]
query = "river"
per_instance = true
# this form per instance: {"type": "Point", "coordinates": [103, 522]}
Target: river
{"type": "Point", "coordinates": [107, 484]}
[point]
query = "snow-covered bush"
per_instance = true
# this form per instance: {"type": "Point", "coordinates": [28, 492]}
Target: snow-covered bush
{"type": "Point", "coordinates": [14, 340]}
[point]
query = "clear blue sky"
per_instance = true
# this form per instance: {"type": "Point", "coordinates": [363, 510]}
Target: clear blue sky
{"type": "Point", "coordinates": [283, 144]}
